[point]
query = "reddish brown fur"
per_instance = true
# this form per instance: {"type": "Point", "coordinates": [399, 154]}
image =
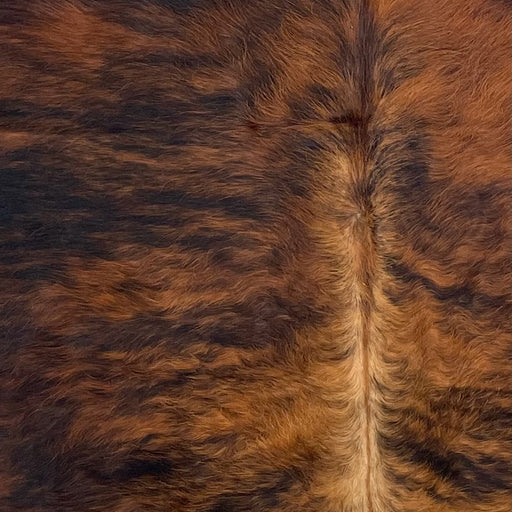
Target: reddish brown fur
{"type": "Point", "coordinates": [255, 256]}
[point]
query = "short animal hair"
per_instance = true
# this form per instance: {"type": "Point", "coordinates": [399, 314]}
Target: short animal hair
{"type": "Point", "coordinates": [255, 256]}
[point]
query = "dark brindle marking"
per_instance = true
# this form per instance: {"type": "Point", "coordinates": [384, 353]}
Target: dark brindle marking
{"type": "Point", "coordinates": [255, 256]}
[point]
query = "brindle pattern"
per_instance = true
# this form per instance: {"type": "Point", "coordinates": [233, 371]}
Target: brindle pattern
{"type": "Point", "coordinates": [255, 256]}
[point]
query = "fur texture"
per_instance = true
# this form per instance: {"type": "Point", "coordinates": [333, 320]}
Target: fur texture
{"type": "Point", "coordinates": [255, 256]}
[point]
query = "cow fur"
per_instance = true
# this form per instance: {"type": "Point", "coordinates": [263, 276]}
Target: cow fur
{"type": "Point", "coordinates": [255, 256]}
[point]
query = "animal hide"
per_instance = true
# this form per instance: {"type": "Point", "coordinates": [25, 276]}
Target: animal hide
{"type": "Point", "coordinates": [255, 256]}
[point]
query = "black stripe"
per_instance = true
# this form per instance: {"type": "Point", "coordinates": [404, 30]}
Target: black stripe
{"type": "Point", "coordinates": [261, 498]}
{"type": "Point", "coordinates": [464, 296]}
{"type": "Point", "coordinates": [139, 468]}
{"type": "Point", "coordinates": [259, 321]}
{"type": "Point", "coordinates": [475, 476]}
{"type": "Point", "coordinates": [14, 109]}
{"type": "Point", "coordinates": [162, 59]}
{"type": "Point", "coordinates": [248, 208]}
